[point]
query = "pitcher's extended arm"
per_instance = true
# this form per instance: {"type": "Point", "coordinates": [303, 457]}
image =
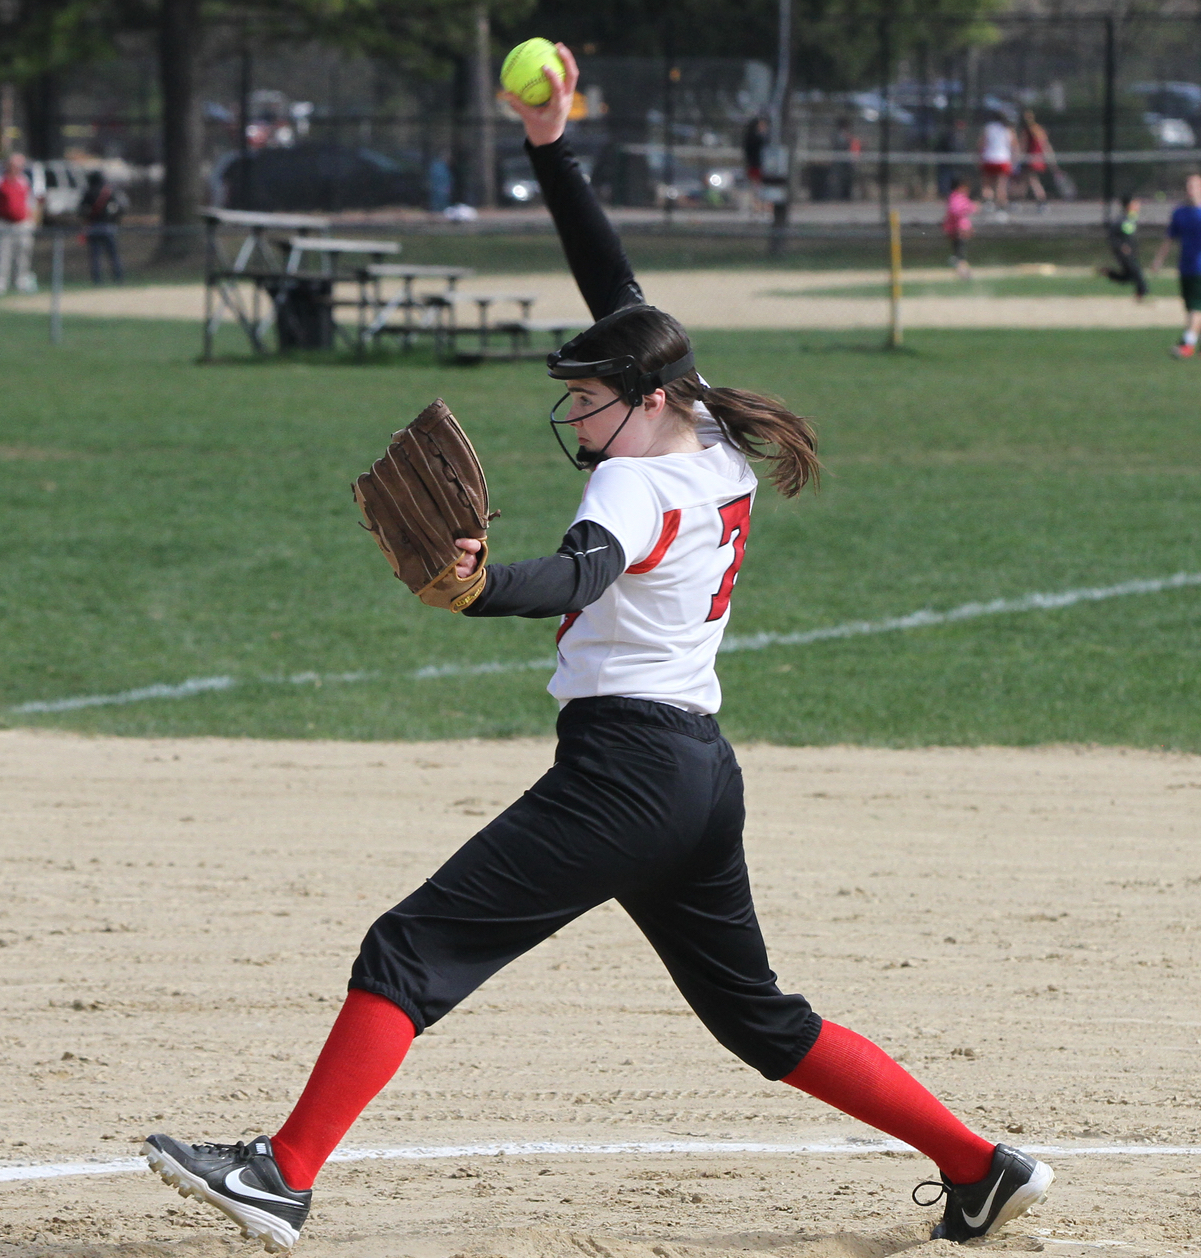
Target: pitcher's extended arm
{"type": "Point", "coordinates": [593, 248]}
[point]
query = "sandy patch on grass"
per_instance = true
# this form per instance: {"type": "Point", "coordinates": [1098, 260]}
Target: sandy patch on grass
{"type": "Point", "coordinates": [709, 299]}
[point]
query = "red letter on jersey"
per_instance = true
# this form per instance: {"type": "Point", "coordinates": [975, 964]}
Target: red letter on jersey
{"type": "Point", "coordinates": [735, 519]}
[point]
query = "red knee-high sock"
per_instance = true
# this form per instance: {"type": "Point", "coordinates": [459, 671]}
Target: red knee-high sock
{"type": "Point", "coordinates": [852, 1074]}
{"type": "Point", "coordinates": [366, 1045]}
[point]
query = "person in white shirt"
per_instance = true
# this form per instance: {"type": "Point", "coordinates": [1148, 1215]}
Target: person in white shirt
{"type": "Point", "coordinates": [643, 804]}
{"type": "Point", "coordinates": [998, 147]}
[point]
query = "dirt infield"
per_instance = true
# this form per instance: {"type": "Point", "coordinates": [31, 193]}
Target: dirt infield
{"type": "Point", "coordinates": [1019, 927]}
{"type": "Point", "coordinates": [715, 299]}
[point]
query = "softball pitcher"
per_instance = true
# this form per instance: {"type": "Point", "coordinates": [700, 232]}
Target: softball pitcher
{"type": "Point", "coordinates": [644, 801]}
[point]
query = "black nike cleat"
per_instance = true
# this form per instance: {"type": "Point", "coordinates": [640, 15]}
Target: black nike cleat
{"type": "Point", "coordinates": [242, 1180]}
{"type": "Point", "coordinates": [1014, 1184]}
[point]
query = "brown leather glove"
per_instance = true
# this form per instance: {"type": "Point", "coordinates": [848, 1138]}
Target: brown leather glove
{"type": "Point", "coordinates": [426, 491]}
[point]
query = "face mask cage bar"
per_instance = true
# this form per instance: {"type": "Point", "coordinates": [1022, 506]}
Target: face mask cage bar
{"type": "Point", "coordinates": [595, 456]}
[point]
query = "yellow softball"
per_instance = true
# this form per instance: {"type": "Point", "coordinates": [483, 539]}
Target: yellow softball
{"type": "Point", "coordinates": [522, 72]}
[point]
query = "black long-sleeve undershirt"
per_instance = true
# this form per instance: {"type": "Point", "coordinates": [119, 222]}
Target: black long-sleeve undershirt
{"type": "Point", "coordinates": [590, 558]}
{"type": "Point", "coordinates": [578, 573]}
{"type": "Point", "coordinates": [593, 248]}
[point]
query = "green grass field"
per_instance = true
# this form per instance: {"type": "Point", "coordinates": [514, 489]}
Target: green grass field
{"type": "Point", "coordinates": [657, 248]}
{"type": "Point", "coordinates": [164, 521]}
{"type": "Point", "coordinates": [1166, 287]}
{"type": "Point", "coordinates": [652, 246]}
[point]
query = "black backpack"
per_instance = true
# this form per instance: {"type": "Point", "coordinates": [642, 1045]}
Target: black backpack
{"type": "Point", "coordinates": [108, 207]}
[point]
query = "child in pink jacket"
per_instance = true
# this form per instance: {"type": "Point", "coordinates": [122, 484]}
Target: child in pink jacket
{"type": "Point", "coordinates": [958, 226]}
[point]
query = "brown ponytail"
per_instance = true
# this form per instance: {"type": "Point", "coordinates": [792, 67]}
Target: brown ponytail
{"type": "Point", "coordinates": [753, 423]}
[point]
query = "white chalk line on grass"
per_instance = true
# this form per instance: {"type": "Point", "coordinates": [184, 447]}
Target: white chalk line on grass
{"type": "Point", "coordinates": [966, 611]}
{"type": "Point", "coordinates": [560, 1148]}
{"type": "Point", "coordinates": [184, 690]}
{"type": "Point", "coordinates": [735, 642]}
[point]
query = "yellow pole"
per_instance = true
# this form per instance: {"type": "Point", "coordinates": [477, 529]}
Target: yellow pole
{"type": "Point", "coordinates": [895, 336]}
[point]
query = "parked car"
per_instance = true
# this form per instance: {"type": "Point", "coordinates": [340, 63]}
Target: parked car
{"type": "Point", "coordinates": [59, 186]}
{"type": "Point", "coordinates": [518, 184]}
{"type": "Point", "coordinates": [1170, 133]}
{"type": "Point", "coordinates": [1172, 112]}
{"type": "Point", "coordinates": [871, 106]}
{"type": "Point", "coordinates": [515, 179]}
{"type": "Point", "coordinates": [318, 177]}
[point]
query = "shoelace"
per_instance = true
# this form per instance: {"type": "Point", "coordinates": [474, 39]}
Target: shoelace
{"type": "Point", "coordinates": [930, 1183]}
{"type": "Point", "coordinates": [236, 1150]}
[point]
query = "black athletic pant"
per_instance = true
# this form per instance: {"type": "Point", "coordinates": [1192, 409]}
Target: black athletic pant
{"type": "Point", "coordinates": [643, 805]}
{"type": "Point", "coordinates": [1128, 270]}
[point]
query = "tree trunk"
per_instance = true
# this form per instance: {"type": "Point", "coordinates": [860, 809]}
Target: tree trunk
{"type": "Point", "coordinates": [8, 117]}
{"type": "Point", "coordinates": [43, 130]}
{"type": "Point", "coordinates": [484, 126]}
{"type": "Point", "coordinates": [179, 39]}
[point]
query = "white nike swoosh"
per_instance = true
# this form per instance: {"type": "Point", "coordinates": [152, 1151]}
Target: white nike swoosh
{"type": "Point", "coordinates": [233, 1181]}
{"type": "Point", "coordinates": [974, 1220]}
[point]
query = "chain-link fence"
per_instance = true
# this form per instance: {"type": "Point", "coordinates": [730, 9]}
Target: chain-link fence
{"type": "Point", "coordinates": [1092, 108]}
{"type": "Point", "coordinates": [307, 128]}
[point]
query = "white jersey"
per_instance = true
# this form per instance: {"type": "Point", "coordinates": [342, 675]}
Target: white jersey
{"type": "Point", "coordinates": [997, 148]}
{"type": "Point", "coordinates": [682, 521]}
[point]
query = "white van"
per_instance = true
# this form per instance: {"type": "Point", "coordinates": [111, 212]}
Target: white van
{"type": "Point", "coordinates": [58, 185]}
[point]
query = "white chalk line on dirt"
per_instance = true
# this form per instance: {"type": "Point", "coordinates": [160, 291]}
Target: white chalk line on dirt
{"type": "Point", "coordinates": [735, 642]}
{"type": "Point", "coordinates": [559, 1148]}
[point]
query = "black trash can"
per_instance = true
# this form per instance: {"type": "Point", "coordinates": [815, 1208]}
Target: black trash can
{"type": "Point", "coordinates": [304, 312]}
{"type": "Point", "coordinates": [817, 177]}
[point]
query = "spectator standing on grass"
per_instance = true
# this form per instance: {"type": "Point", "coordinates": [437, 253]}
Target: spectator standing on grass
{"type": "Point", "coordinates": [101, 208]}
{"type": "Point", "coordinates": [17, 224]}
{"type": "Point", "coordinates": [441, 184]}
{"type": "Point", "coordinates": [1123, 240]}
{"type": "Point", "coordinates": [845, 141]}
{"type": "Point", "coordinates": [754, 140]}
{"type": "Point", "coordinates": [1185, 229]}
{"type": "Point", "coordinates": [952, 139]}
{"type": "Point", "coordinates": [1037, 155]}
{"type": "Point", "coordinates": [957, 224]}
{"type": "Point", "coordinates": [998, 147]}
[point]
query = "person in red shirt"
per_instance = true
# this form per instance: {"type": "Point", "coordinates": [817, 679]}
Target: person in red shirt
{"type": "Point", "coordinates": [1037, 157]}
{"type": "Point", "coordinates": [16, 228]}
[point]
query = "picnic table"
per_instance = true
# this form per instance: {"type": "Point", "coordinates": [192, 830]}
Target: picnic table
{"type": "Point", "coordinates": [436, 313]}
{"type": "Point", "coordinates": [447, 305]}
{"type": "Point", "coordinates": [519, 333]}
{"type": "Point", "coordinates": [376, 311]}
{"type": "Point", "coordinates": [222, 275]}
{"type": "Point", "coordinates": [295, 266]}
{"type": "Point", "coordinates": [330, 250]}
{"type": "Point", "coordinates": [257, 224]}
